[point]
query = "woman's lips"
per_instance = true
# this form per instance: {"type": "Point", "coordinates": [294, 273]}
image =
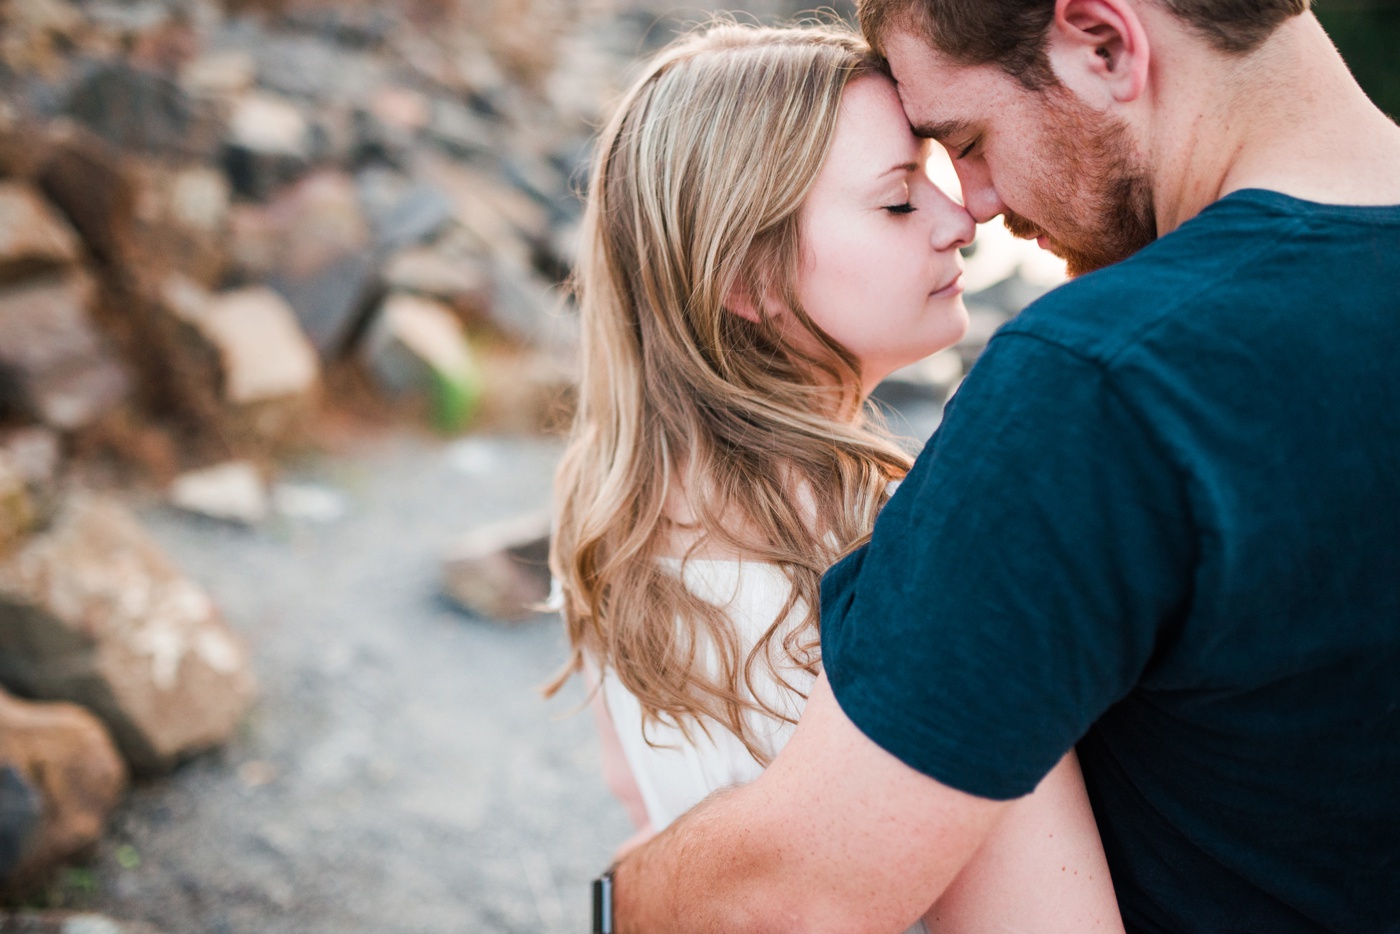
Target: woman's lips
{"type": "Point", "coordinates": [952, 287]}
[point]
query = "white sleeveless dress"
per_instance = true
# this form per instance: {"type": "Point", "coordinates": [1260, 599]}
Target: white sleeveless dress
{"type": "Point", "coordinates": [673, 773]}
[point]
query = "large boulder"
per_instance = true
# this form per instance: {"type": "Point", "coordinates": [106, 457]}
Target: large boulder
{"type": "Point", "coordinates": [269, 373]}
{"type": "Point", "coordinates": [93, 612]}
{"type": "Point", "coordinates": [60, 777]}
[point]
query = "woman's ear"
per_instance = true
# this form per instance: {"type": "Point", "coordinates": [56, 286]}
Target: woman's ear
{"type": "Point", "coordinates": [740, 300]}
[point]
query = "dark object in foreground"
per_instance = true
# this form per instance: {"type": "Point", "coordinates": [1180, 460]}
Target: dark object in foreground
{"type": "Point", "coordinates": [501, 570]}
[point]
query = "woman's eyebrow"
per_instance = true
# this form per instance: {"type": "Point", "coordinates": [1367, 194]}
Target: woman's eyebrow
{"type": "Point", "coordinates": [902, 169]}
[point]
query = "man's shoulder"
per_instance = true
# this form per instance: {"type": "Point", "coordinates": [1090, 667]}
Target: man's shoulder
{"type": "Point", "coordinates": [1242, 253]}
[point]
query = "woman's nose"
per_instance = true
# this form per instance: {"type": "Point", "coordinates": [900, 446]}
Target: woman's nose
{"type": "Point", "coordinates": [953, 226]}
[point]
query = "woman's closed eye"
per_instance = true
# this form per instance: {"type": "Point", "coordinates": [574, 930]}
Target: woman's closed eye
{"type": "Point", "coordinates": [905, 208]}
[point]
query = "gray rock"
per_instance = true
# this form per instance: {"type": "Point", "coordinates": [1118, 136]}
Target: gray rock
{"type": "Point", "coordinates": [331, 302]}
{"type": "Point", "coordinates": [357, 26]}
{"type": "Point", "coordinates": [224, 73]}
{"type": "Point", "coordinates": [542, 180]}
{"type": "Point", "coordinates": [33, 453]}
{"type": "Point", "coordinates": [268, 124]}
{"type": "Point", "coordinates": [312, 244]}
{"type": "Point", "coordinates": [263, 352]}
{"type": "Point", "coordinates": [129, 17]}
{"type": "Point", "coordinates": [388, 125]}
{"type": "Point", "coordinates": [54, 365]}
{"type": "Point", "coordinates": [402, 212]}
{"type": "Point", "coordinates": [335, 138]}
{"type": "Point", "coordinates": [233, 491]}
{"type": "Point", "coordinates": [199, 198]}
{"type": "Point", "coordinates": [522, 300]}
{"type": "Point", "coordinates": [314, 69]}
{"type": "Point", "coordinates": [138, 110]}
{"type": "Point", "coordinates": [94, 613]}
{"type": "Point", "coordinates": [418, 346]}
{"type": "Point", "coordinates": [503, 218]}
{"type": "Point", "coordinates": [501, 571]}
{"type": "Point", "coordinates": [269, 143]}
{"type": "Point", "coordinates": [461, 131]}
{"type": "Point", "coordinates": [263, 375]}
{"type": "Point", "coordinates": [460, 279]}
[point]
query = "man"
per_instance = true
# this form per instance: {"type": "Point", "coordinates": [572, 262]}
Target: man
{"type": "Point", "coordinates": [1160, 522]}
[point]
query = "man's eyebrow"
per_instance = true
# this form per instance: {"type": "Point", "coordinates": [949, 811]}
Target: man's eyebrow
{"type": "Point", "coordinates": [942, 130]}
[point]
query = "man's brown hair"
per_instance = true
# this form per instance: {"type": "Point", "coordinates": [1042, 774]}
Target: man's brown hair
{"type": "Point", "coordinates": [1011, 33]}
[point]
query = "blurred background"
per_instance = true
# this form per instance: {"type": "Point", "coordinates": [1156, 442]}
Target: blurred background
{"type": "Point", "coordinates": [285, 360]}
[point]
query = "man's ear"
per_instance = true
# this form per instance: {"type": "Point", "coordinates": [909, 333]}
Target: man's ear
{"type": "Point", "coordinates": [1099, 49]}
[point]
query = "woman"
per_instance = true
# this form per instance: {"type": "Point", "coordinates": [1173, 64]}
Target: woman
{"type": "Point", "coordinates": [761, 247]}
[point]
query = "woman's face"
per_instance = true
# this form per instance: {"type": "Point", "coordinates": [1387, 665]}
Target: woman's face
{"type": "Point", "coordinates": [881, 273]}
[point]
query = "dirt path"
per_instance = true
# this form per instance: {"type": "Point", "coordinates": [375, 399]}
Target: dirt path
{"type": "Point", "coordinates": [400, 773]}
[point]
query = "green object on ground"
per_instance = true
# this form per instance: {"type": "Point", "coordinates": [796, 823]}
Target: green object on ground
{"type": "Point", "coordinates": [456, 398]}
{"type": "Point", "coordinates": [127, 857]}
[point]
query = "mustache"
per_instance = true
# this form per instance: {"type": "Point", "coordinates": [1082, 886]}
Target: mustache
{"type": "Point", "coordinates": [1019, 226]}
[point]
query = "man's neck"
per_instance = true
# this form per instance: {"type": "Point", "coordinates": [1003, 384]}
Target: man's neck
{"type": "Point", "coordinates": [1288, 117]}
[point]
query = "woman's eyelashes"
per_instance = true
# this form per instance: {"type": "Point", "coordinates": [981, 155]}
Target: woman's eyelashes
{"type": "Point", "coordinates": [905, 208]}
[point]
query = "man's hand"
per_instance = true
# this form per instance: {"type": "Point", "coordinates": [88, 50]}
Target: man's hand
{"type": "Point", "coordinates": [837, 835]}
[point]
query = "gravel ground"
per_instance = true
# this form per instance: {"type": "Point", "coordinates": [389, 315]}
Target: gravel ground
{"type": "Point", "coordinates": [400, 772]}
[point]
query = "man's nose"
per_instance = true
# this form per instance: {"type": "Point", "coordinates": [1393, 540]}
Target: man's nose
{"type": "Point", "coordinates": [979, 194]}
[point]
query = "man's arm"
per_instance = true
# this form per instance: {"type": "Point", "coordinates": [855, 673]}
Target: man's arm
{"type": "Point", "coordinates": [836, 835]}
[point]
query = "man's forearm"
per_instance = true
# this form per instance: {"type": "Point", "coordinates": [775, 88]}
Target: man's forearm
{"type": "Point", "coordinates": [673, 882]}
{"type": "Point", "coordinates": [835, 836]}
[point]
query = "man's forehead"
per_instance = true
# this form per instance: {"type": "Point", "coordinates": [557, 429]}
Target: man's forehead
{"type": "Point", "coordinates": [942, 98]}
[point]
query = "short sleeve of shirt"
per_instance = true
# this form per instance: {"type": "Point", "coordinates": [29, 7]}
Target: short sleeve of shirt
{"type": "Point", "coordinates": [1021, 578]}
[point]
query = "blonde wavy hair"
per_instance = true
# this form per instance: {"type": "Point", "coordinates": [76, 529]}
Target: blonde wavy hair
{"type": "Point", "coordinates": [700, 430]}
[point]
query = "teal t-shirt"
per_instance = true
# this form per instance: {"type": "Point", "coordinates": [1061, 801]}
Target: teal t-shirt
{"type": "Point", "coordinates": [1161, 521]}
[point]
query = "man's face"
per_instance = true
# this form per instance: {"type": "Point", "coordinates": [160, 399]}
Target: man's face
{"type": "Point", "coordinates": [1053, 168]}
